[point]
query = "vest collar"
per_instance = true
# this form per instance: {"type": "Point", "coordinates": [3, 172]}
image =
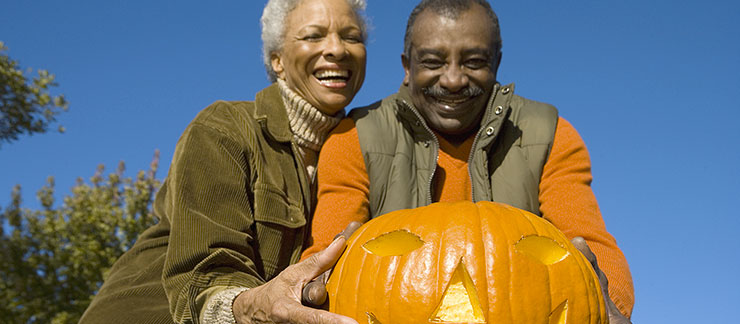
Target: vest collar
{"type": "Point", "coordinates": [271, 114]}
{"type": "Point", "coordinates": [497, 111]}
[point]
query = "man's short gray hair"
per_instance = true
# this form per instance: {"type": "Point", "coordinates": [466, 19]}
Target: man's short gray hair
{"type": "Point", "coordinates": [273, 27]}
{"type": "Point", "coordinates": [450, 9]}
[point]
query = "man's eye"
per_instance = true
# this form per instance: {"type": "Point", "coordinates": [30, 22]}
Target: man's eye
{"type": "Point", "coordinates": [476, 64]}
{"type": "Point", "coordinates": [432, 64]}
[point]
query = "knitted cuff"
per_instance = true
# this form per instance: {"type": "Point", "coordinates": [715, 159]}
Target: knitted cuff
{"type": "Point", "coordinates": [218, 310]}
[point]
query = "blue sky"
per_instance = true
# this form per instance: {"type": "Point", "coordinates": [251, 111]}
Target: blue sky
{"type": "Point", "coordinates": [652, 87]}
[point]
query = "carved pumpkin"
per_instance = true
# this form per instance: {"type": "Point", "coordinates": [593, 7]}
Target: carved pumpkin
{"type": "Point", "coordinates": [464, 263]}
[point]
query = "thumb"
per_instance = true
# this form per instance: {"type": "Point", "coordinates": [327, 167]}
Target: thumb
{"type": "Point", "coordinates": [582, 246]}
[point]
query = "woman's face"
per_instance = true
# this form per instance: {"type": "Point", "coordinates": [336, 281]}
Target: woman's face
{"type": "Point", "coordinates": [323, 55]}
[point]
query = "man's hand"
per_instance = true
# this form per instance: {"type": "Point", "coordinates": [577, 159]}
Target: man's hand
{"type": "Point", "coordinates": [279, 300]}
{"type": "Point", "coordinates": [314, 293]}
{"type": "Point", "coordinates": [615, 316]}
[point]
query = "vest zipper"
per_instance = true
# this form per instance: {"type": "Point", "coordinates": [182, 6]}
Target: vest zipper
{"type": "Point", "coordinates": [436, 149]}
{"type": "Point", "coordinates": [485, 118]}
{"type": "Point", "coordinates": [470, 164]}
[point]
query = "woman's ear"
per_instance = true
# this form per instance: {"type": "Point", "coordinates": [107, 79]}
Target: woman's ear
{"type": "Point", "coordinates": [277, 65]}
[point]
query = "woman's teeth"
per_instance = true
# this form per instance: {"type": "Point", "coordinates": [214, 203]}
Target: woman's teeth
{"type": "Point", "coordinates": [332, 75]}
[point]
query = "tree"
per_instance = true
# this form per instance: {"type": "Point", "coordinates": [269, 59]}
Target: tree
{"type": "Point", "coordinates": [55, 259]}
{"type": "Point", "coordinates": [26, 105]}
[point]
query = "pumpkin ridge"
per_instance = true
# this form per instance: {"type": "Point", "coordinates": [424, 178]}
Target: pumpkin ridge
{"type": "Point", "coordinates": [484, 283]}
{"type": "Point", "coordinates": [500, 228]}
{"type": "Point", "coordinates": [541, 232]}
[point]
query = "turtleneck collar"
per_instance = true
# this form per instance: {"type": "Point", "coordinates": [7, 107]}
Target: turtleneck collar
{"type": "Point", "coordinates": [310, 126]}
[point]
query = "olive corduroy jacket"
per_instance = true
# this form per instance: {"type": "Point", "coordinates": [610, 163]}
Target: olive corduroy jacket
{"type": "Point", "coordinates": [232, 213]}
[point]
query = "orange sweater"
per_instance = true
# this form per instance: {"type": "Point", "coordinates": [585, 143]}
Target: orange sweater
{"type": "Point", "coordinates": [566, 198]}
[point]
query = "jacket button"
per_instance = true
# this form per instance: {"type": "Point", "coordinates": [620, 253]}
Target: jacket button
{"type": "Point", "coordinates": [505, 90]}
{"type": "Point", "coordinates": [499, 110]}
{"type": "Point", "coordinates": [418, 123]}
{"type": "Point", "coordinates": [426, 143]}
{"type": "Point", "coordinates": [489, 131]}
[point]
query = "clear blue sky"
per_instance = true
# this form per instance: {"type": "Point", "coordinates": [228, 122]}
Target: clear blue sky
{"type": "Point", "coordinates": [652, 87]}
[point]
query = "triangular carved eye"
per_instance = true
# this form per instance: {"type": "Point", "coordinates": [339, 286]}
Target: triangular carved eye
{"type": "Point", "coordinates": [560, 314]}
{"type": "Point", "coordinates": [460, 303]}
{"type": "Point", "coordinates": [398, 242]}
{"type": "Point", "coordinates": [543, 249]}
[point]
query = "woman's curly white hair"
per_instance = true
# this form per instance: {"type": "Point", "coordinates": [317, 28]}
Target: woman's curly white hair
{"type": "Point", "coordinates": [273, 27]}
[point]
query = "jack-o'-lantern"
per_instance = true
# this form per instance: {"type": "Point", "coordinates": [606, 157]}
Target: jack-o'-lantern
{"type": "Point", "coordinates": [464, 263]}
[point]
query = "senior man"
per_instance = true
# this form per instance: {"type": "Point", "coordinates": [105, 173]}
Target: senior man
{"type": "Point", "coordinates": [452, 132]}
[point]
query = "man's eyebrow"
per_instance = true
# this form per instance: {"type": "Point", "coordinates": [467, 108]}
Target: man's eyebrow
{"type": "Point", "coordinates": [429, 51]}
{"type": "Point", "coordinates": [478, 51]}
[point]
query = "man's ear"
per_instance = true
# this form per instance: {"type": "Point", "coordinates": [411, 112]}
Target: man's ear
{"type": "Point", "coordinates": [405, 62]}
{"type": "Point", "coordinates": [277, 65]}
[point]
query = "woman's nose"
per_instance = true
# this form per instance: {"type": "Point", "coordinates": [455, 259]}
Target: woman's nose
{"type": "Point", "coordinates": [335, 47]}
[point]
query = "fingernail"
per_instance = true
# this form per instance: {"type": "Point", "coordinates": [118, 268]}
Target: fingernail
{"type": "Point", "coordinates": [337, 238]}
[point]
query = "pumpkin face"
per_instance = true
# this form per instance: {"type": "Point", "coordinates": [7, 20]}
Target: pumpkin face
{"type": "Point", "coordinates": [464, 263]}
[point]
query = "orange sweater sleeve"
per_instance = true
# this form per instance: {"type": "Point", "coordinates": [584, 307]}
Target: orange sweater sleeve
{"type": "Point", "coordinates": [567, 201]}
{"type": "Point", "coordinates": [343, 187]}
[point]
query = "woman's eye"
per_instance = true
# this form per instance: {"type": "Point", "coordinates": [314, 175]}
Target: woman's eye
{"type": "Point", "coordinates": [312, 37]}
{"type": "Point", "coordinates": [354, 39]}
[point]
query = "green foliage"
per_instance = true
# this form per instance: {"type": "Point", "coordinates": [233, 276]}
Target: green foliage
{"type": "Point", "coordinates": [26, 105]}
{"type": "Point", "coordinates": [54, 259]}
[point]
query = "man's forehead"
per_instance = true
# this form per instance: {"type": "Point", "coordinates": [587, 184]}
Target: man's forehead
{"type": "Point", "coordinates": [469, 32]}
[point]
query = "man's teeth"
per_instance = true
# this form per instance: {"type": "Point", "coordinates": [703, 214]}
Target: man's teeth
{"type": "Point", "coordinates": [332, 74]}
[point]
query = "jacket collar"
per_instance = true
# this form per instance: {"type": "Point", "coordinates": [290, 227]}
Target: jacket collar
{"type": "Point", "coordinates": [270, 112]}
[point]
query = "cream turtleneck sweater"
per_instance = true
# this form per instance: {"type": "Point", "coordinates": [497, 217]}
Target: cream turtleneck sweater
{"type": "Point", "coordinates": [310, 128]}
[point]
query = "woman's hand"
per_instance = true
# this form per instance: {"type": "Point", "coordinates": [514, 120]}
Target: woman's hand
{"type": "Point", "coordinates": [615, 316]}
{"type": "Point", "coordinates": [279, 300]}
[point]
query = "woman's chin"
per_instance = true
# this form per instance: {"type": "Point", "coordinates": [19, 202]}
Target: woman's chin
{"type": "Point", "coordinates": [331, 104]}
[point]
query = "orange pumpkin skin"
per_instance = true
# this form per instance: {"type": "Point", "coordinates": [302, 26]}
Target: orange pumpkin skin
{"type": "Point", "coordinates": [512, 285]}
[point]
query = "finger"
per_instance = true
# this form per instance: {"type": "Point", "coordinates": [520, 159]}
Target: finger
{"type": "Point", "coordinates": [314, 294]}
{"type": "Point", "coordinates": [614, 315]}
{"type": "Point", "coordinates": [305, 315]}
{"type": "Point", "coordinates": [582, 246]}
{"type": "Point", "coordinates": [350, 229]}
{"type": "Point", "coordinates": [319, 262]}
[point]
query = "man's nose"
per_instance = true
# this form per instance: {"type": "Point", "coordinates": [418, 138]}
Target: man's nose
{"type": "Point", "coordinates": [454, 78]}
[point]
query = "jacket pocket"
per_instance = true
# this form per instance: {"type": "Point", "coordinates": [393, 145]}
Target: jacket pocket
{"type": "Point", "coordinates": [278, 223]}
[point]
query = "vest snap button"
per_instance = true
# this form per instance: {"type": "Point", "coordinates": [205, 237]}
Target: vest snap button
{"type": "Point", "coordinates": [505, 90]}
{"type": "Point", "coordinates": [499, 110]}
{"type": "Point", "coordinates": [489, 131]}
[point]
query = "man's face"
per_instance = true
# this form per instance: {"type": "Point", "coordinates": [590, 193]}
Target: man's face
{"type": "Point", "coordinates": [451, 69]}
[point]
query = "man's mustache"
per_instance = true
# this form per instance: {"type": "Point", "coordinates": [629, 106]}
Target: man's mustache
{"type": "Point", "coordinates": [440, 92]}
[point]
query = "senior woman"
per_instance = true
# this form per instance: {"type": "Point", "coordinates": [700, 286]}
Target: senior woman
{"type": "Point", "coordinates": [234, 207]}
